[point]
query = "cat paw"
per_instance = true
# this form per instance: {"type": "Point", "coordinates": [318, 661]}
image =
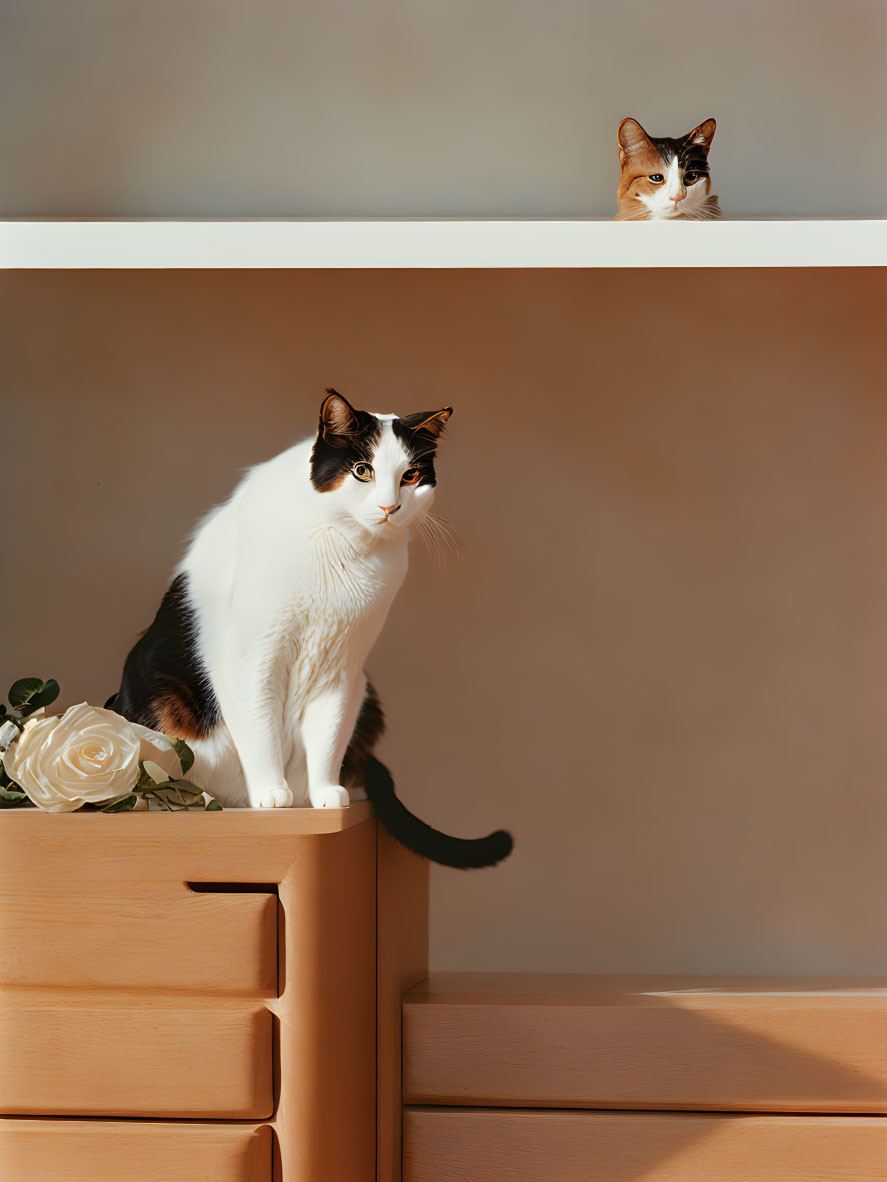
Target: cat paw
{"type": "Point", "coordinates": [276, 798]}
{"type": "Point", "coordinates": [330, 798]}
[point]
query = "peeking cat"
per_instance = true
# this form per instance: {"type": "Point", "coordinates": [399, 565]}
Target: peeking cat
{"type": "Point", "coordinates": [256, 654]}
{"type": "Point", "coordinates": [665, 178]}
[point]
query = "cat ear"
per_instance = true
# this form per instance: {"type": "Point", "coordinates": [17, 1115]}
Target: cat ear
{"type": "Point", "coordinates": [703, 134]}
{"type": "Point", "coordinates": [631, 138]}
{"type": "Point", "coordinates": [431, 424]}
{"type": "Point", "coordinates": [338, 418]}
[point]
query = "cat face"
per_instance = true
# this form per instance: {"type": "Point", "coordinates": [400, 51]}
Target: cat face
{"type": "Point", "coordinates": [379, 469]}
{"type": "Point", "coordinates": [665, 178]}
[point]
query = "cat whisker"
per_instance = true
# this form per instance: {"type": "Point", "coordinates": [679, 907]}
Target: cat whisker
{"type": "Point", "coordinates": [449, 539]}
{"type": "Point", "coordinates": [432, 544]}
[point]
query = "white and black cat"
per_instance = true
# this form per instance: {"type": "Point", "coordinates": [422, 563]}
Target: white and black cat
{"type": "Point", "coordinates": [256, 654]}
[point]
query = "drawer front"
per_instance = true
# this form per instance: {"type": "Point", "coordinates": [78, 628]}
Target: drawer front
{"type": "Point", "coordinates": [147, 1056]}
{"type": "Point", "coordinates": [141, 1151]}
{"type": "Point", "coordinates": [107, 934]}
{"type": "Point", "coordinates": [755, 1055]}
{"type": "Point", "coordinates": [457, 1145]}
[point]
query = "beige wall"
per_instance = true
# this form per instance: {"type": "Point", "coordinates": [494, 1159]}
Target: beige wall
{"type": "Point", "coordinates": [402, 107]}
{"type": "Point", "coordinates": [662, 657]}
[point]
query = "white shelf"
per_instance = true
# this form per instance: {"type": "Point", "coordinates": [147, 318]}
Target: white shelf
{"type": "Point", "coordinates": [308, 242]}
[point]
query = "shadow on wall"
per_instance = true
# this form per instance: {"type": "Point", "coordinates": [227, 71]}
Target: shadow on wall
{"type": "Point", "coordinates": [662, 657]}
{"type": "Point", "coordinates": [274, 109]}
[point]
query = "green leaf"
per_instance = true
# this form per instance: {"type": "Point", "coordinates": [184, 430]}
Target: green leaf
{"type": "Point", "coordinates": [213, 806]}
{"type": "Point", "coordinates": [185, 754]}
{"type": "Point", "coordinates": [156, 772]}
{"type": "Point", "coordinates": [144, 783]}
{"type": "Point", "coordinates": [187, 786]}
{"type": "Point", "coordinates": [121, 806]}
{"type": "Point", "coordinates": [170, 799]}
{"type": "Point", "coordinates": [30, 693]}
{"type": "Point", "coordinates": [11, 794]}
{"type": "Point", "coordinates": [160, 798]}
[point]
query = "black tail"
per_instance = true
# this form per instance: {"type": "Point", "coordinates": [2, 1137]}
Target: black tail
{"type": "Point", "coordinates": [463, 853]}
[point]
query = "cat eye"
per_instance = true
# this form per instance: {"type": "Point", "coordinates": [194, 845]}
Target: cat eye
{"type": "Point", "coordinates": [363, 472]}
{"type": "Point", "coordinates": [690, 178]}
{"type": "Point", "coordinates": [657, 178]}
{"type": "Point", "coordinates": [411, 476]}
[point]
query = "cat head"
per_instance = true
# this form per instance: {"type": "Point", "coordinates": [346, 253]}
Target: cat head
{"type": "Point", "coordinates": [664, 178]}
{"type": "Point", "coordinates": [379, 469]}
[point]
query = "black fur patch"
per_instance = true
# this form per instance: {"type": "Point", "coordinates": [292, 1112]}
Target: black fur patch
{"type": "Point", "coordinates": [165, 685]}
{"type": "Point", "coordinates": [333, 456]}
{"type": "Point", "coordinates": [691, 157]}
{"type": "Point", "coordinates": [420, 445]}
{"type": "Point", "coordinates": [367, 731]}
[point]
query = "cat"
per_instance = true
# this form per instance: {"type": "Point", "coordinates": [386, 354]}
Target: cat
{"type": "Point", "coordinates": [665, 178]}
{"type": "Point", "coordinates": [255, 657]}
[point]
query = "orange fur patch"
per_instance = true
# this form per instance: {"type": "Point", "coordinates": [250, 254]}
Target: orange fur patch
{"type": "Point", "coordinates": [176, 714]}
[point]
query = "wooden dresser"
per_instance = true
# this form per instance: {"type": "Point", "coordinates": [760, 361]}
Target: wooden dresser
{"type": "Point", "coordinates": [204, 996]}
{"type": "Point", "coordinates": [551, 1078]}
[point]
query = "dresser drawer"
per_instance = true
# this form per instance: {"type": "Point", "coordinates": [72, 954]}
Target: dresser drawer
{"type": "Point", "coordinates": [542, 1041]}
{"type": "Point", "coordinates": [139, 1151]}
{"type": "Point", "coordinates": [458, 1145]}
{"type": "Point", "coordinates": [143, 1055]}
{"type": "Point", "coordinates": [119, 933]}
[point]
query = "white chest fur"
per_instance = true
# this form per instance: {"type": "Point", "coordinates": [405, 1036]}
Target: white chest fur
{"type": "Point", "coordinates": [288, 607]}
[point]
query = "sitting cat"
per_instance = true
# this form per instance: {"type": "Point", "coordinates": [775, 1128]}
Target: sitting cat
{"type": "Point", "coordinates": [256, 654]}
{"type": "Point", "coordinates": [665, 178]}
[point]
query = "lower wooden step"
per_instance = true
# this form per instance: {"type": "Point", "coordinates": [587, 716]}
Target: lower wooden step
{"type": "Point", "coordinates": [716, 1044]}
{"type": "Point", "coordinates": [459, 1145]}
{"type": "Point", "coordinates": [139, 1151]}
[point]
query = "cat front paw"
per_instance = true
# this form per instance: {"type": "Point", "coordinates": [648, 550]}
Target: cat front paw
{"type": "Point", "coordinates": [275, 798]}
{"type": "Point", "coordinates": [330, 798]}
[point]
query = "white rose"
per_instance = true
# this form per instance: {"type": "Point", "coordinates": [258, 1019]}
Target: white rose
{"type": "Point", "coordinates": [8, 734]}
{"type": "Point", "coordinates": [86, 755]}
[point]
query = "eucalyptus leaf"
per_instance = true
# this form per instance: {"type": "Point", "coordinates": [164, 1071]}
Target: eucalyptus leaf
{"type": "Point", "coordinates": [170, 799]}
{"type": "Point", "coordinates": [11, 794]}
{"type": "Point", "coordinates": [188, 786]}
{"type": "Point", "coordinates": [156, 772]}
{"type": "Point", "coordinates": [30, 693]}
{"type": "Point", "coordinates": [124, 805]}
{"type": "Point", "coordinates": [185, 754]}
{"type": "Point", "coordinates": [144, 783]}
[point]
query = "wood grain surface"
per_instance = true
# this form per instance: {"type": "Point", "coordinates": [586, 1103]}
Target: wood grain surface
{"type": "Point", "coordinates": [325, 1118]}
{"type": "Point", "coordinates": [21, 824]}
{"type": "Point", "coordinates": [401, 962]}
{"type": "Point", "coordinates": [766, 1045]}
{"type": "Point", "coordinates": [82, 933]}
{"type": "Point", "coordinates": [76, 1054]}
{"type": "Point", "coordinates": [455, 1145]}
{"type": "Point", "coordinates": [139, 1151]}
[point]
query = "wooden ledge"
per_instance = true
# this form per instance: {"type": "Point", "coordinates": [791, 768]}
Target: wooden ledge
{"type": "Point", "coordinates": [740, 1044]}
{"type": "Point", "coordinates": [28, 822]}
{"type": "Point", "coordinates": [638, 989]}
